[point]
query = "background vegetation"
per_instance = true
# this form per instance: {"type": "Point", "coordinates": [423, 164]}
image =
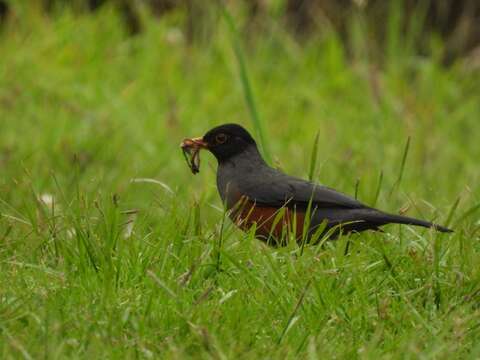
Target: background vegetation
{"type": "Point", "coordinates": [110, 248]}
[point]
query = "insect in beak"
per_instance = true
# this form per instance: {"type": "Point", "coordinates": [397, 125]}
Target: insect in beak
{"type": "Point", "coordinates": [191, 151]}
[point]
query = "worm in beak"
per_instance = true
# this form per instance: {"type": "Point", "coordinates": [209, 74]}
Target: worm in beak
{"type": "Point", "coordinates": [191, 151]}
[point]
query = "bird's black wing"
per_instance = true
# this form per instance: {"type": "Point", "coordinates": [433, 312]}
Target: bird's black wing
{"type": "Point", "coordinates": [277, 189]}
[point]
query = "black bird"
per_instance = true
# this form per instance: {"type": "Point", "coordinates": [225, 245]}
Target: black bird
{"type": "Point", "coordinates": [277, 204]}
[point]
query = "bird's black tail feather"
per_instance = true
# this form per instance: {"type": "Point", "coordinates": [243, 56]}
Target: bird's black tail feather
{"type": "Point", "coordinates": [399, 219]}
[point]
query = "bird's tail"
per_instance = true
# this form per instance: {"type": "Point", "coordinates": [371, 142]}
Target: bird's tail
{"type": "Point", "coordinates": [400, 219]}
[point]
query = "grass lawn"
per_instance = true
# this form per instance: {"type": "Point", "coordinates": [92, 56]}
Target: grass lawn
{"type": "Point", "coordinates": [111, 248]}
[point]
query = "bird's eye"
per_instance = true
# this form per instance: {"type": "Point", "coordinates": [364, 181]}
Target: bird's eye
{"type": "Point", "coordinates": [221, 138]}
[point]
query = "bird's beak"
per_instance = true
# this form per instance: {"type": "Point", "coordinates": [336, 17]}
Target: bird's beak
{"type": "Point", "coordinates": [194, 143]}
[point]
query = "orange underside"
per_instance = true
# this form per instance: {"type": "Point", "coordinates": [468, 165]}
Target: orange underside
{"type": "Point", "coordinates": [269, 222]}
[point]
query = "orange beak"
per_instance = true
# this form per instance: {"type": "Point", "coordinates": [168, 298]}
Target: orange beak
{"type": "Point", "coordinates": [194, 143]}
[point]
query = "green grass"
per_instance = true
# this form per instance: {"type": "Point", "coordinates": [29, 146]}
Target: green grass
{"type": "Point", "coordinates": [85, 109]}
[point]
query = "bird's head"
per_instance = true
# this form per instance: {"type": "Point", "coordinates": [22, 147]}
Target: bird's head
{"type": "Point", "coordinates": [224, 142]}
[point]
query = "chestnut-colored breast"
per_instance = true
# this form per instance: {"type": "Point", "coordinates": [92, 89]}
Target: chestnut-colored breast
{"type": "Point", "coordinates": [273, 225]}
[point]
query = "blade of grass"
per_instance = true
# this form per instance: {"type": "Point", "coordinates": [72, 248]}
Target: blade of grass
{"type": "Point", "coordinates": [379, 187]}
{"type": "Point", "coordinates": [306, 224]}
{"type": "Point", "coordinates": [313, 158]}
{"type": "Point", "coordinates": [402, 167]}
{"type": "Point", "coordinates": [161, 284]}
{"type": "Point", "coordinates": [197, 223]}
{"type": "Point", "coordinates": [246, 86]}
{"type": "Point", "coordinates": [219, 243]}
{"type": "Point", "coordinates": [472, 210]}
{"type": "Point", "coordinates": [452, 211]}
{"type": "Point", "coordinates": [437, 249]}
{"type": "Point", "coordinates": [357, 185]}
{"type": "Point", "coordinates": [292, 318]}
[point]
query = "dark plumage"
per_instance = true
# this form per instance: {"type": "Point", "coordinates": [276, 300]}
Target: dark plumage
{"type": "Point", "coordinates": [256, 193]}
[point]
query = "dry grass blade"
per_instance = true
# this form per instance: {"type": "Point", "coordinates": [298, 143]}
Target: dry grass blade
{"type": "Point", "coordinates": [161, 284]}
{"type": "Point", "coordinates": [153, 181]}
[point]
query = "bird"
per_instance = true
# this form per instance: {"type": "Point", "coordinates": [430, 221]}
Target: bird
{"type": "Point", "coordinates": [277, 206]}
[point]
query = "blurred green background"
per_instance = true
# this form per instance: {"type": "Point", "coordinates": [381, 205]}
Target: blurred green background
{"type": "Point", "coordinates": [109, 247]}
